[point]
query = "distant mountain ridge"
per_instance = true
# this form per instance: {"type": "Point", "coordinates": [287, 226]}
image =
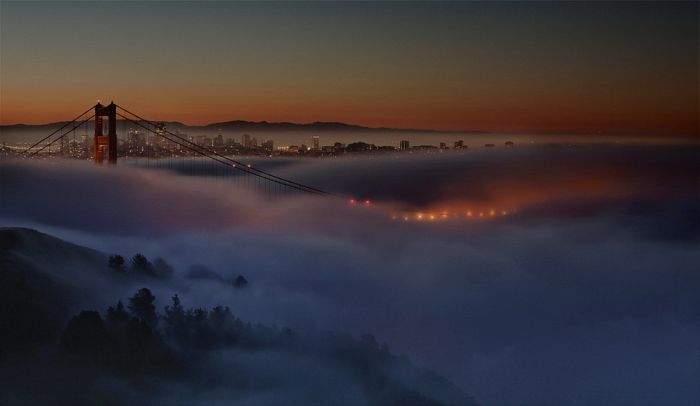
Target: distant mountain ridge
{"type": "Point", "coordinates": [243, 125]}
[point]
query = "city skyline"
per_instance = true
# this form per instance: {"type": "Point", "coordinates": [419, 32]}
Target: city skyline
{"type": "Point", "coordinates": [498, 67]}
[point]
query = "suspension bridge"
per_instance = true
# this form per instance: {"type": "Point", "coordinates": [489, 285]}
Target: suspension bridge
{"type": "Point", "coordinates": [182, 154]}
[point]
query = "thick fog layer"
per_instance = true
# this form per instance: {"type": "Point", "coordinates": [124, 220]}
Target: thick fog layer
{"type": "Point", "coordinates": [582, 289]}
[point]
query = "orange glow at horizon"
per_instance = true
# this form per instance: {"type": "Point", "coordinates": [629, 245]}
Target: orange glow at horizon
{"type": "Point", "coordinates": [398, 114]}
{"type": "Point", "coordinates": [610, 69]}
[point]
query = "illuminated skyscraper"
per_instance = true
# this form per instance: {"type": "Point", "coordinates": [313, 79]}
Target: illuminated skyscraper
{"type": "Point", "coordinates": [315, 142]}
{"type": "Point", "coordinates": [404, 145]}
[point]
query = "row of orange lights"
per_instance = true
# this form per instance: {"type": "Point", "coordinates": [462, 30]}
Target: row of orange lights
{"type": "Point", "coordinates": [442, 215]}
{"type": "Point", "coordinates": [469, 214]}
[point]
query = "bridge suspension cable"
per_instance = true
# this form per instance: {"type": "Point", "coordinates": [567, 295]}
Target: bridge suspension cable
{"type": "Point", "coordinates": [176, 139]}
{"type": "Point", "coordinates": [211, 154]}
{"type": "Point", "coordinates": [63, 135]}
{"type": "Point", "coordinates": [216, 157]}
{"type": "Point", "coordinates": [59, 129]}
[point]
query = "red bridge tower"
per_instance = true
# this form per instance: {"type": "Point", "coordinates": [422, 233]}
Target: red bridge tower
{"type": "Point", "coordinates": [106, 145]}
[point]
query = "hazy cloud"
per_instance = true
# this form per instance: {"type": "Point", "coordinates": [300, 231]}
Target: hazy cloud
{"type": "Point", "coordinates": [587, 295]}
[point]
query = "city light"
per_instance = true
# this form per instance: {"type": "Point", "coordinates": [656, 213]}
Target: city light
{"type": "Point", "coordinates": [443, 216]}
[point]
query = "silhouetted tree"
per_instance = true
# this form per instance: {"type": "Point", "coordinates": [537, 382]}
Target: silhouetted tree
{"type": "Point", "coordinates": [222, 324]}
{"type": "Point", "coordinates": [117, 316]}
{"type": "Point", "coordinates": [370, 340]}
{"type": "Point", "coordinates": [141, 306]}
{"type": "Point", "coordinates": [240, 282]}
{"type": "Point", "coordinates": [85, 334]}
{"type": "Point", "coordinates": [116, 263]}
{"type": "Point", "coordinates": [175, 320]}
{"type": "Point", "coordinates": [131, 346]}
{"type": "Point", "coordinates": [141, 265]}
{"type": "Point", "coordinates": [199, 330]}
{"type": "Point", "coordinates": [220, 316]}
{"type": "Point", "coordinates": [139, 338]}
{"type": "Point", "coordinates": [162, 269]}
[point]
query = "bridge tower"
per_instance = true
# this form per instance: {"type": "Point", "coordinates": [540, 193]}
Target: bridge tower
{"type": "Point", "coordinates": [106, 145]}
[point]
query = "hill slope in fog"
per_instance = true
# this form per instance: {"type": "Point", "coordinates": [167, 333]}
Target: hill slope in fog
{"type": "Point", "coordinates": [38, 285]}
{"type": "Point", "coordinates": [56, 330]}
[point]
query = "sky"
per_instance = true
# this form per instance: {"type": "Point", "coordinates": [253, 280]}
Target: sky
{"type": "Point", "coordinates": [496, 66]}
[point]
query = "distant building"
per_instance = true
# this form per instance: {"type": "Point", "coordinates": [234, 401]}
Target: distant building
{"type": "Point", "coordinates": [135, 142]}
{"type": "Point", "coordinates": [459, 144]}
{"type": "Point", "coordinates": [246, 141]}
{"type": "Point", "coordinates": [160, 134]}
{"type": "Point", "coordinates": [315, 142]}
{"type": "Point", "coordinates": [509, 143]}
{"type": "Point", "coordinates": [219, 141]}
{"type": "Point", "coordinates": [204, 141]}
{"type": "Point", "coordinates": [64, 147]}
{"type": "Point", "coordinates": [443, 145]}
{"type": "Point", "coordinates": [85, 146]}
{"type": "Point", "coordinates": [268, 145]}
{"type": "Point", "coordinates": [425, 147]}
{"type": "Point", "coordinates": [404, 145]}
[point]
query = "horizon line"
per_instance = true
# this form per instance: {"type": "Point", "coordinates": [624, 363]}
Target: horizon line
{"type": "Point", "coordinates": [361, 127]}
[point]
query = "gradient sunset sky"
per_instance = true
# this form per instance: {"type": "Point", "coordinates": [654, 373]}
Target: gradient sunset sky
{"type": "Point", "coordinates": [510, 67]}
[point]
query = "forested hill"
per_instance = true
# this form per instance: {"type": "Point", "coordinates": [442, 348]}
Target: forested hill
{"type": "Point", "coordinates": [79, 351]}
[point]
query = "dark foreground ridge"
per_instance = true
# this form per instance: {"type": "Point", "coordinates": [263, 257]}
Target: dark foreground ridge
{"type": "Point", "coordinates": [60, 344]}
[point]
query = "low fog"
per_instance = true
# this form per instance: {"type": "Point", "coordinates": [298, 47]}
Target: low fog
{"type": "Point", "coordinates": [585, 293]}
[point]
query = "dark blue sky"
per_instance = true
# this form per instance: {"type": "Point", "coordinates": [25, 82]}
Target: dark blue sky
{"type": "Point", "coordinates": [497, 66]}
